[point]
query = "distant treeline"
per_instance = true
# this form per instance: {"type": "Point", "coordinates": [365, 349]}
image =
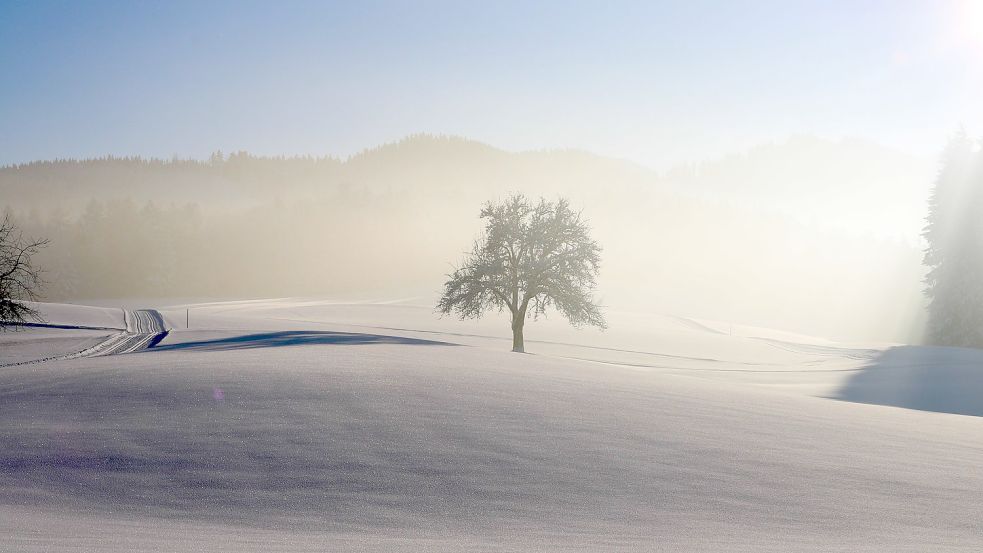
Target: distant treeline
{"type": "Point", "coordinates": [231, 180]}
{"type": "Point", "coordinates": [390, 222]}
{"type": "Point", "coordinates": [121, 248]}
{"type": "Point", "coordinates": [954, 234]}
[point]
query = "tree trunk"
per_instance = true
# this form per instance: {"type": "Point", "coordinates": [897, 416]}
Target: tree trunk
{"type": "Point", "coordinates": [517, 343]}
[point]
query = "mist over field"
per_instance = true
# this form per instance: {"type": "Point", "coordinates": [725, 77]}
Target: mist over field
{"type": "Point", "coordinates": [810, 235]}
{"type": "Point", "coordinates": [440, 276]}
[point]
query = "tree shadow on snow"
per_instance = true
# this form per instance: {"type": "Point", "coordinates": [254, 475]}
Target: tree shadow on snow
{"type": "Point", "coordinates": [926, 378]}
{"type": "Point", "coordinates": [295, 338]}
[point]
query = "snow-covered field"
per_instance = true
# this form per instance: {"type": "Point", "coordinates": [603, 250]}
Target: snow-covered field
{"type": "Point", "coordinates": [308, 425]}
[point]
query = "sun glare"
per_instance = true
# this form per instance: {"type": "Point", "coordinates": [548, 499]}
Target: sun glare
{"type": "Point", "coordinates": [971, 20]}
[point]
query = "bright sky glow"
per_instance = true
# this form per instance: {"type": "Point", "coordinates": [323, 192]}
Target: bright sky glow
{"type": "Point", "coordinates": [655, 82]}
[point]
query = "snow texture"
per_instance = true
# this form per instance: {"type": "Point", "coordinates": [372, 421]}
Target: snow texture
{"type": "Point", "coordinates": [305, 425]}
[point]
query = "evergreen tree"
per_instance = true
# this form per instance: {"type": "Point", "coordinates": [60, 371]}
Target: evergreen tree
{"type": "Point", "coordinates": [954, 255]}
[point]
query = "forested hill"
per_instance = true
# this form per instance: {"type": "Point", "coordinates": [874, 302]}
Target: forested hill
{"type": "Point", "coordinates": [850, 182]}
{"type": "Point", "coordinates": [69, 184]}
{"type": "Point", "coordinates": [422, 165]}
{"type": "Point", "coordinates": [391, 221]}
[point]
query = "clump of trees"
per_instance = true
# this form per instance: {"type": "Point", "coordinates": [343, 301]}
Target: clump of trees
{"type": "Point", "coordinates": [954, 255]}
{"type": "Point", "coordinates": [20, 279]}
{"type": "Point", "coordinates": [533, 256]}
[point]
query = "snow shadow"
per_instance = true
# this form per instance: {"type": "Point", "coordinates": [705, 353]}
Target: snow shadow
{"type": "Point", "coordinates": [295, 338]}
{"type": "Point", "coordinates": [926, 378]}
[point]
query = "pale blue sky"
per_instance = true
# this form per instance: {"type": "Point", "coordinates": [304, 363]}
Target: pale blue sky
{"type": "Point", "coordinates": [655, 82]}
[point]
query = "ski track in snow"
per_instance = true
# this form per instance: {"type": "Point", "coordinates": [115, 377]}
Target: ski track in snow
{"type": "Point", "coordinates": [144, 329]}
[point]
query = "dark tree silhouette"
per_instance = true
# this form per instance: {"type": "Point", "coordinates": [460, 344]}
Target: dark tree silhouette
{"type": "Point", "coordinates": [20, 280]}
{"type": "Point", "coordinates": [531, 256]}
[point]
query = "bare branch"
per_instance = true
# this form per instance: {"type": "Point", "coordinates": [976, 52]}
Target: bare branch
{"type": "Point", "coordinates": [20, 279]}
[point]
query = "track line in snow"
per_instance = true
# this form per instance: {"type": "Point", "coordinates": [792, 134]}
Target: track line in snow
{"type": "Point", "coordinates": [144, 329]}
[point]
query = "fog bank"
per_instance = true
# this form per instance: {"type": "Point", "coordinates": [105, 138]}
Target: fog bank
{"type": "Point", "coordinates": [824, 244]}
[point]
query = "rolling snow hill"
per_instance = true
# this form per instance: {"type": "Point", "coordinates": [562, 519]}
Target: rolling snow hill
{"type": "Point", "coordinates": [305, 425]}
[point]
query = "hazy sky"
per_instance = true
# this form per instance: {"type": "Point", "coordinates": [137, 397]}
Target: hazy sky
{"type": "Point", "coordinates": [656, 82]}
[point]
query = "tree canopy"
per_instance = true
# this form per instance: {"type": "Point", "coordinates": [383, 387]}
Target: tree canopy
{"type": "Point", "coordinates": [532, 257]}
{"type": "Point", "coordinates": [20, 280]}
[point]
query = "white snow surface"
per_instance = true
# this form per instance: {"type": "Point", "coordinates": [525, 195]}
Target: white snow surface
{"type": "Point", "coordinates": [81, 315]}
{"type": "Point", "coordinates": [22, 345]}
{"type": "Point", "coordinates": [312, 425]}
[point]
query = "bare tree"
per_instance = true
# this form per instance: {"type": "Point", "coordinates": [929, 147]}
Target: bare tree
{"type": "Point", "coordinates": [20, 280]}
{"type": "Point", "coordinates": [532, 255]}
